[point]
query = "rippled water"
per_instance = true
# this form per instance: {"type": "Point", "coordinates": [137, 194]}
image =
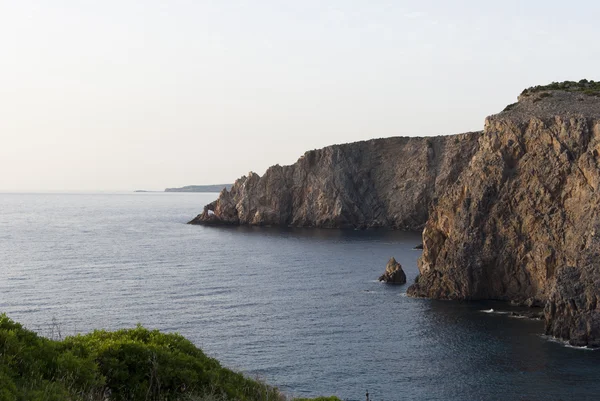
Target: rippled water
{"type": "Point", "coordinates": [297, 307]}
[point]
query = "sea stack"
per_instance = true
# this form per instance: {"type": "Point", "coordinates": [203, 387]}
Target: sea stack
{"type": "Point", "coordinates": [393, 273]}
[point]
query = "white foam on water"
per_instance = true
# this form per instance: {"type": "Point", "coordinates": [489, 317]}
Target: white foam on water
{"type": "Point", "coordinates": [496, 312]}
{"type": "Point", "coordinates": [566, 344]}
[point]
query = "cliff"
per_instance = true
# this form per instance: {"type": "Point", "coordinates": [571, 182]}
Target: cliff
{"type": "Point", "coordinates": [522, 221]}
{"type": "Point", "coordinates": [510, 213]}
{"type": "Point", "coordinates": [391, 182]}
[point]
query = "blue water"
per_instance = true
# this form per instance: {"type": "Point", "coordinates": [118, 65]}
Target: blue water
{"type": "Point", "coordinates": [300, 308]}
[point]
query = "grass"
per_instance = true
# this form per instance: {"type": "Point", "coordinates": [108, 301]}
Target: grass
{"type": "Point", "coordinates": [125, 365]}
{"type": "Point", "coordinates": [590, 88]}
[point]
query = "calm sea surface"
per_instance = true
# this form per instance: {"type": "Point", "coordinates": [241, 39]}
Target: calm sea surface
{"type": "Point", "coordinates": [300, 308]}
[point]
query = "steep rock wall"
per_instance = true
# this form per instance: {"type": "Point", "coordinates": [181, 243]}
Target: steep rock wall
{"type": "Point", "coordinates": [391, 182]}
{"type": "Point", "coordinates": [522, 221]}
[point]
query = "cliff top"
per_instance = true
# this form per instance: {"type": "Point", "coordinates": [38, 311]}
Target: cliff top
{"type": "Point", "coordinates": [567, 98]}
{"type": "Point", "coordinates": [590, 88]}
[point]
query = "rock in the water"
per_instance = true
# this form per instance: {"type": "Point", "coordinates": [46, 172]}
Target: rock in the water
{"type": "Point", "coordinates": [420, 246]}
{"type": "Point", "coordinates": [393, 273]}
{"type": "Point", "coordinates": [528, 315]}
{"type": "Point", "coordinates": [391, 182]}
{"type": "Point", "coordinates": [522, 221]}
{"type": "Point", "coordinates": [530, 303]}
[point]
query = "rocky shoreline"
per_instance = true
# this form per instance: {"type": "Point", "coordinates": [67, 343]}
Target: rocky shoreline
{"type": "Point", "coordinates": [510, 213]}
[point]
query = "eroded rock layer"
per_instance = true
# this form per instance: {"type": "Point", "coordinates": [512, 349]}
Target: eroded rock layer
{"type": "Point", "coordinates": [391, 182]}
{"type": "Point", "coordinates": [522, 221]}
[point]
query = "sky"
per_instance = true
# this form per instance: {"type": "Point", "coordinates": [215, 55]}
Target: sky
{"type": "Point", "coordinates": [124, 95]}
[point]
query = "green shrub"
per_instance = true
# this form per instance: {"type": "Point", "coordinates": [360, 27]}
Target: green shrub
{"type": "Point", "coordinates": [587, 87]}
{"type": "Point", "coordinates": [126, 365]}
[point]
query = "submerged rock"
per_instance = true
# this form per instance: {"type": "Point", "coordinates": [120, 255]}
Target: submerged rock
{"type": "Point", "coordinates": [393, 273]}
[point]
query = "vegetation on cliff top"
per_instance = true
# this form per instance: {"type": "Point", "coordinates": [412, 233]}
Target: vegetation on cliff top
{"type": "Point", "coordinates": [134, 364]}
{"type": "Point", "coordinates": [590, 88]}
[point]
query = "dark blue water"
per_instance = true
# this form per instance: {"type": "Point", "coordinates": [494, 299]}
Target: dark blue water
{"type": "Point", "coordinates": [299, 308]}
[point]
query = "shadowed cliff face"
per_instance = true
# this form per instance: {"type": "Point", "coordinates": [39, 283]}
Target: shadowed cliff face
{"type": "Point", "coordinates": [390, 182]}
{"type": "Point", "coordinates": [522, 222]}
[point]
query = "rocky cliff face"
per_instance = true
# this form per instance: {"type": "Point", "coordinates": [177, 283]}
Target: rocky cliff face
{"type": "Point", "coordinates": [522, 222]}
{"type": "Point", "coordinates": [511, 213]}
{"type": "Point", "coordinates": [390, 182]}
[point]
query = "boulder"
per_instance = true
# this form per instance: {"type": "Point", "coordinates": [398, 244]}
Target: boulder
{"type": "Point", "coordinates": [393, 273]}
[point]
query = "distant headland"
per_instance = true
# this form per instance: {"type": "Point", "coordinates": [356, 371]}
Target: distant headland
{"type": "Point", "coordinates": [194, 188]}
{"type": "Point", "coordinates": [201, 188]}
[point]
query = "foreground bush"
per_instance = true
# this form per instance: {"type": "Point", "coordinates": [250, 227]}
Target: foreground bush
{"type": "Point", "coordinates": [125, 365]}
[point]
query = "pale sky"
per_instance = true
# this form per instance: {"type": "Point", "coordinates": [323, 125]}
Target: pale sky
{"type": "Point", "coordinates": [124, 95]}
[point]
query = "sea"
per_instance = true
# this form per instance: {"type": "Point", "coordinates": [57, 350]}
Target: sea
{"type": "Point", "coordinates": [298, 308]}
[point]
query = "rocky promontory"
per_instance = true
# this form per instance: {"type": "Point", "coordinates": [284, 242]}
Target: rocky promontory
{"type": "Point", "coordinates": [522, 221]}
{"type": "Point", "coordinates": [391, 182]}
{"type": "Point", "coordinates": [511, 213]}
